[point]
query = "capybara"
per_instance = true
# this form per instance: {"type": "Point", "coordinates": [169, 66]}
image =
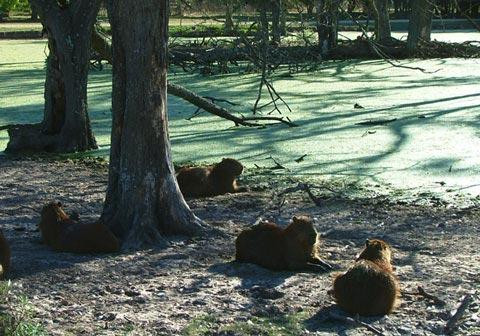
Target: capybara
{"type": "Point", "coordinates": [294, 248]}
{"type": "Point", "coordinates": [369, 287]}
{"type": "Point", "coordinates": [62, 233]}
{"type": "Point", "coordinates": [212, 180]}
{"type": "Point", "coordinates": [4, 256]}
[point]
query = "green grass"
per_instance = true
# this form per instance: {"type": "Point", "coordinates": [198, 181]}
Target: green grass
{"type": "Point", "coordinates": [281, 325]}
{"type": "Point", "coordinates": [411, 154]}
{"type": "Point", "coordinates": [16, 318]}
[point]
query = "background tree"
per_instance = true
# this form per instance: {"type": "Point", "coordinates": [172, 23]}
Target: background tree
{"type": "Point", "coordinates": [420, 24]}
{"type": "Point", "coordinates": [327, 23]}
{"type": "Point", "coordinates": [383, 32]}
{"type": "Point", "coordinates": [6, 6]}
{"type": "Point", "coordinates": [66, 125]}
{"type": "Point", "coordinates": [143, 199]}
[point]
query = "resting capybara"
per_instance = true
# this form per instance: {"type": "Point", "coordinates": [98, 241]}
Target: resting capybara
{"type": "Point", "coordinates": [62, 233]}
{"type": "Point", "coordinates": [4, 256]}
{"type": "Point", "coordinates": [211, 180]}
{"type": "Point", "coordinates": [293, 248]}
{"type": "Point", "coordinates": [369, 287]}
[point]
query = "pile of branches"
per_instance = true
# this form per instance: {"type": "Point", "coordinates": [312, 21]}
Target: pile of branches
{"type": "Point", "coordinates": [436, 49]}
{"type": "Point", "coordinates": [193, 58]}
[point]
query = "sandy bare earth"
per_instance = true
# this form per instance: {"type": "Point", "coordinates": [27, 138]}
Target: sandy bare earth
{"type": "Point", "coordinates": [193, 286]}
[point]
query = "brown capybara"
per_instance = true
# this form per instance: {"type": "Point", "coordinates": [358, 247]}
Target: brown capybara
{"type": "Point", "coordinates": [211, 180]}
{"type": "Point", "coordinates": [62, 233]}
{"type": "Point", "coordinates": [4, 256]}
{"type": "Point", "coordinates": [294, 248]}
{"type": "Point", "coordinates": [369, 287]}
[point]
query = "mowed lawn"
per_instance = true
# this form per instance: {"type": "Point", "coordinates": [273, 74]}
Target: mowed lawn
{"type": "Point", "coordinates": [432, 146]}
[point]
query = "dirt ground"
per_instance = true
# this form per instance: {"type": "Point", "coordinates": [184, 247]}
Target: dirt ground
{"type": "Point", "coordinates": [193, 287]}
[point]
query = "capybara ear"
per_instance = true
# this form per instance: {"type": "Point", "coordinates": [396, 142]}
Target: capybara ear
{"type": "Point", "coordinates": [59, 204]}
{"type": "Point", "coordinates": [367, 242]}
{"type": "Point", "coordinates": [294, 218]}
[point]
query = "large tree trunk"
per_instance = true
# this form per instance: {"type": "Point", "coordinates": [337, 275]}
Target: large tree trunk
{"type": "Point", "coordinates": [383, 32]}
{"type": "Point", "coordinates": [65, 126]}
{"type": "Point", "coordinates": [420, 24]}
{"type": "Point", "coordinates": [143, 200]}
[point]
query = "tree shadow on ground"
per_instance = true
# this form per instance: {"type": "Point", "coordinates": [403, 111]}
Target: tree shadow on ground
{"type": "Point", "coordinates": [250, 275]}
{"type": "Point", "coordinates": [322, 321]}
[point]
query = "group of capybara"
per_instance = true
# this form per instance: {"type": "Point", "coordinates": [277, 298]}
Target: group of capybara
{"type": "Point", "coordinates": [367, 288]}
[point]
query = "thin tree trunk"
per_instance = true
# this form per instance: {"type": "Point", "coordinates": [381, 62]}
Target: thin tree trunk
{"type": "Point", "coordinates": [34, 14]}
{"type": "Point", "coordinates": [263, 22]}
{"type": "Point", "coordinates": [66, 125]}
{"type": "Point", "coordinates": [331, 9]}
{"type": "Point", "coordinates": [310, 7]}
{"type": "Point", "coordinates": [420, 24]}
{"type": "Point", "coordinates": [283, 17]}
{"type": "Point", "coordinates": [383, 32]}
{"type": "Point", "coordinates": [322, 25]}
{"type": "Point", "coordinates": [228, 17]}
{"type": "Point", "coordinates": [143, 200]}
{"type": "Point", "coordinates": [276, 9]}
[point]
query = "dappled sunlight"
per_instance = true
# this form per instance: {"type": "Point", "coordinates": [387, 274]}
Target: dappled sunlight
{"type": "Point", "coordinates": [434, 137]}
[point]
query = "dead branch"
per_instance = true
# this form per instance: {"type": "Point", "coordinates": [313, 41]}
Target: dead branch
{"type": "Point", "coordinates": [376, 47]}
{"type": "Point", "coordinates": [217, 110]}
{"type": "Point", "coordinates": [437, 301]}
{"type": "Point", "coordinates": [278, 165]}
{"type": "Point", "coordinates": [300, 159]}
{"type": "Point", "coordinates": [213, 100]}
{"type": "Point", "coordinates": [462, 308]}
{"type": "Point", "coordinates": [303, 187]}
{"type": "Point", "coordinates": [376, 122]}
{"type": "Point", "coordinates": [355, 322]}
{"type": "Point", "coordinates": [103, 48]}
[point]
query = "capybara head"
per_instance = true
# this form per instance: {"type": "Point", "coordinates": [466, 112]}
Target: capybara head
{"type": "Point", "coordinates": [231, 165]}
{"type": "Point", "coordinates": [376, 249]}
{"type": "Point", "coordinates": [302, 228]}
{"type": "Point", "coordinates": [53, 210]}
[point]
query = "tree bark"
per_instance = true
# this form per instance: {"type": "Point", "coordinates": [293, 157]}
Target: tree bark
{"type": "Point", "coordinates": [420, 24]}
{"type": "Point", "coordinates": [322, 25]}
{"type": "Point", "coordinates": [33, 14]}
{"type": "Point", "coordinates": [283, 17]}
{"type": "Point", "coordinates": [143, 201]}
{"type": "Point", "coordinates": [66, 125]}
{"type": "Point", "coordinates": [228, 17]}
{"type": "Point", "coordinates": [383, 32]}
{"type": "Point", "coordinates": [327, 24]}
{"type": "Point", "coordinates": [276, 28]}
{"type": "Point", "coordinates": [263, 18]}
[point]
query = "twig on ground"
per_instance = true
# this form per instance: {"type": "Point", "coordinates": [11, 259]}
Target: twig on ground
{"type": "Point", "coordinates": [314, 198]}
{"type": "Point", "coordinates": [355, 322]}
{"type": "Point", "coordinates": [300, 159]}
{"type": "Point", "coordinates": [303, 187]}
{"type": "Point", "coordinates": [462, 308]}
{"type": "Point", "coordinates": [277, 164]}
{"type": "Point", "coordinates": [376, 122]}
{"type": "Point", "coordinates": [435, 299]}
